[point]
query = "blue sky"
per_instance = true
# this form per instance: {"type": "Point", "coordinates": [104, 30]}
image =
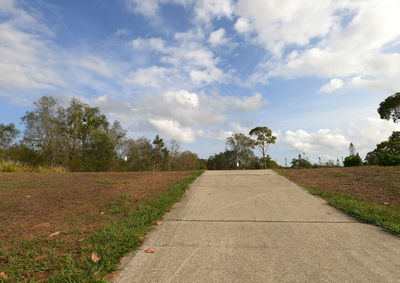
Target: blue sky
{"type": "Point", "coordinates": [197, 71]}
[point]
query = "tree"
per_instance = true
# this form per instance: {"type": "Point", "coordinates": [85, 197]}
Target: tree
{"type": "Point", "coordinates": [8, 134]}
{"type": "Point", "coordinates": [241, 146]}
{"type": "Point", "coordinates": [160, 154]}
{"type": "Point", "coordinates": [387, 152]}
{"type": "Point", "coordinates": [264, 139]}
{"type": "Point", "coordinates": [352, 149]}
{"type": "Point", "coordinates": [300, 163]}
{"type": "Point", "coordinates": [43, 131]}
{"type": "Point", "coordinates": [390, 108]}
{"type": "Point", "coordinates": [352, 160]}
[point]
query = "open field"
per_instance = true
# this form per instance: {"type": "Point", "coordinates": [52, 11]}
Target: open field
{"type": "Point", "coordinates": [50, 223]}
{"type": "Point", "coordinates": [371, 194]}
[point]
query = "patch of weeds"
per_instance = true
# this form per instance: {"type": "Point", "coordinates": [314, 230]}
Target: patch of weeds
{"type": "Point", "coordinates": [341, 175]}
{"type": "Point", "coordinates": [121, 204]}
{"type": "Point", "coordinates": [107, 182]}
{"type": "Point", "coordinates": [386, 217]}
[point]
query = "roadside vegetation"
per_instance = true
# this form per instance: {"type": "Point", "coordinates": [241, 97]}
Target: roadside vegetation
{"type": "Point", "coordinates": [78, 137]}
{"type": "Point", "coordinates": [369, 193]}
{"type": "Point", "coordinates": [75, 227]}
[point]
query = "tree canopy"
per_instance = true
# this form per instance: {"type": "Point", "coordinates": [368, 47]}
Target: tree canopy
{"type": "Point", "coordinates": [264, 139]}
{"type": "Point", "coordinates": [390, 108]}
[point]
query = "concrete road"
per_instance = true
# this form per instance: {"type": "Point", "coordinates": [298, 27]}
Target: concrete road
{"type": "Point", "coordinates": [256, 226]}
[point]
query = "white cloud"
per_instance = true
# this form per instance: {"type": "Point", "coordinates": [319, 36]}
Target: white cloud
{"type": "Point", "coordinates": [217, 37]}
{"type": "Point", "coordinates": [333, 85]}
{"type": "Point", "coordinates": [147, 8]}
{"type": "Point", "coordinates": [242, 25]}
{"type": "Point", "coordinates": [174, 130]}
{"type": "Point", "coordinates": [206, 10]}
{"type": "Point", "coordinates": [27, 61]}
{"type": "Point", "coordinates": [190, 63]}
{"type": "Point", "coordinates": [94, 64]}
{"type": "Point", "coordinates": [181, 114]}
{"type": "Point", "coordinates": [364, 134]}
{"type": "Point", "coordinates": [121, 32]}
{"type": "Point", "coordinates": [327, 39]}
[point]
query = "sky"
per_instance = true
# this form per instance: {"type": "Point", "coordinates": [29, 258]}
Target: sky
{"type": "Point", "coordinates": [196, 71]}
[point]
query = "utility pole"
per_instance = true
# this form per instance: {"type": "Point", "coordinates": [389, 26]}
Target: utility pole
{"type": "Point", "coordinates": [285, 162]}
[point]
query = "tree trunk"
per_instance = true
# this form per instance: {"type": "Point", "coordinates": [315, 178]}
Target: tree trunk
{"type": "Point", "coordinates": [265, 160]}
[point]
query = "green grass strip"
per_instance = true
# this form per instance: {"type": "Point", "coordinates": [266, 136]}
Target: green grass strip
{"type": "Point", "coordinates": [120, 237]}
{"type": "Point", "coordinates": [386, 217]}
{"type": "Point", "coordinates": [110, 243]}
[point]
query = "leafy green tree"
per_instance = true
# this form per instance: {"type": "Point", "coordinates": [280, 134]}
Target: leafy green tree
{"type": "Point", "coordinates": [264, 139]}
{"type": "Point", "coordinates": [43, 131]}
{"type": "Point", "coordinates": [390, 108]}
{"type": "Point", "coordinates": [385, 153]}
{"type": "Point", "coordinates": [160, 154]}
{"type": "Point", "coordinates": [8, 134]}
{"type": "Point", "coordinates": [100, 152]}
{"type": "Point", "coordinates": [242, 146]}
{"type": "Point", "coordinates": [352, 160]}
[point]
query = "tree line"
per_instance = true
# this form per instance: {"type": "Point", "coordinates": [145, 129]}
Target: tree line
{"type": "Point", "coordinates": [79, 137]}
{"type": "Point", "coordinates": [239, 153]}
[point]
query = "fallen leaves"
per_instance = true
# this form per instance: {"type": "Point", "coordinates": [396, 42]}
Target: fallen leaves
{"type": "Point", "coordinates": [102, 213]}
{"type": "Point", "coordinates": [111, 275]}
{"type": "Point", "coordinates": [52, 235]}
{"type": "Point", "coordinates": [3, 276]}
{"type": "Point", "coordinates": [150, 251]}
{"type": "Point", "coordinates": [39, 258]}
{"type": "Point", "coordinates": [142, 238]}
{"type": "Point", "coordinates": [158, 223]}
{"type": "Point", "coordinates": [95, 258]}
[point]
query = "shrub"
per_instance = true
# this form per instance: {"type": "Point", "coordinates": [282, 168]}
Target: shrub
{"type": "Point", "coordinates": [352, 160]}
{"type": "Point", "coordinates": [388, 160]}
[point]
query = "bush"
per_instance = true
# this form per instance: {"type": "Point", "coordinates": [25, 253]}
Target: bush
{"type": "Point", "coordinates": [301, 163]}
{"type": "Point", "coordinates": [352, 160]}
{"type": "Point", "coordinates": [389, 160]}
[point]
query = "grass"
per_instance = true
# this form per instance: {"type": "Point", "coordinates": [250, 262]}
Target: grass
{"type": "Point", "coordinates": [8, 166]}
{"type": "Point", "coordinates": [386, 217]}
{"type": "Point", "coordinates": [107, 182]}
{"type": "Point", "coordinates": [59, 260]}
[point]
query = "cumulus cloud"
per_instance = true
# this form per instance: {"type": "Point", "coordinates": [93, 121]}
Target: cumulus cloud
{"type": "Point", "coordinates": [26, 61]}
{"type": "Point", "coordinates": [217, 37]}
{"type": "Point", "coordinates": [333, 85]}
{"type": "Point", "coordinates": [327, 39]}
{"type": "Point", "coordinates": [364, 134]}
{"type": "Point", "coordinates": [181, 114]}
{"type": "Point", "coordinates": [204, 10]}
{"type": "Point", "coordinates": [188, 62]}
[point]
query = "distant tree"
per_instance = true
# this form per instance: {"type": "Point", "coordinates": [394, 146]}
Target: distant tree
{"type": "Point", "coordinates": [160, 154]}
{"type": "Point", "coordinates": [100, 152]}
{"type": "Point", "coordinates": [173, 148]}
{"type": "Point", "coordinates": [386, 153]}
{"type": "Point", "coordinates": [390, 108]}
{"type": "Point", "coordinates": [352, 160]}
{"type": "Point", "coordinates": [8, 134]}
{"type": "Point", "coordinates": [300, 163]}
{"type": "Point", "coordinates": [241, 146]}
{"type": "Point", "coordinates": [43, 131]}
{"type": "Point", "coordinates": [263, 139]}
{"type": "Point", "coordinates": [352, 149]}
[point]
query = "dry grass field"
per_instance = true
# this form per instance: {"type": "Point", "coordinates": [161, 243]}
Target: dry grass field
{"type": "Point", "coordinates": [51, 223]}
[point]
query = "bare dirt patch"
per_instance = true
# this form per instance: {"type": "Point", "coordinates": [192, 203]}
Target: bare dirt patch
{"type": "Point", "coordinates": [372, 184]}
{"type": "Point", "coordinates": [76, 204]}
